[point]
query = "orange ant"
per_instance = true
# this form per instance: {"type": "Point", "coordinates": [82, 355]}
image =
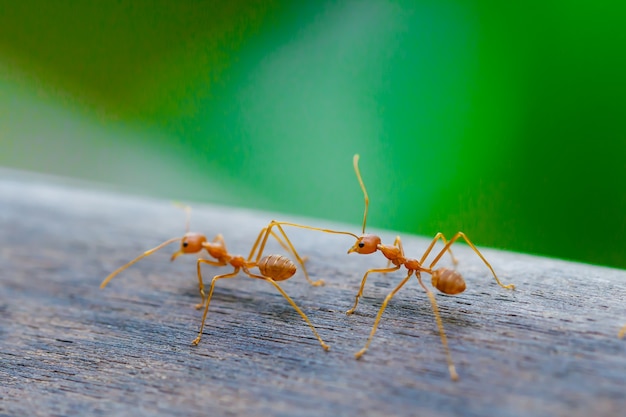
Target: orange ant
{"type": "Point", "coordinates": [273, 267]}
{"type": "Point", "coordinates": [622, 332]}
{"type": "Point", "coordinates": [193, 242]}
{"type": "Point", "coordinates": [445, 280]}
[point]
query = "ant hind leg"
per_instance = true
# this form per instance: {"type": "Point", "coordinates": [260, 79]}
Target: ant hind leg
{"type": "Point", "coordinates": [293, 304]}
{"type": "Point", "coordinates": [474, 248]}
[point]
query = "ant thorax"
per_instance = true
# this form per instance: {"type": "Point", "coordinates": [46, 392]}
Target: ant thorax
{"type": "Point", "coordinates": [393, 253]}
{"type": "Point", "coordinates": [217, 251]}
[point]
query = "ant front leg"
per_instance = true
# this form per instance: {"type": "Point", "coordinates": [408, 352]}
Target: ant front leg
{"type": "Point", "coordinates": [380, 313]}
{"type": "Point", "coordinates": [438, 236]}
{"type": "Point", "coordinates": [360, 293]}
{"type": "Point", "coordinates": [208, 300]}
{"type": "Point", "coordinates": [471, 245]}
{"type": "Point", "coordinates": [200, 283]}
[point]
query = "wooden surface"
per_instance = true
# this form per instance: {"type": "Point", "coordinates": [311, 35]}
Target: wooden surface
{"type": "Point", "coordinates": [69, 348]}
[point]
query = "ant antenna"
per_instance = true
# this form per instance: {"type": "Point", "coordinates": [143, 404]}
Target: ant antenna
{"type": "Point", "coordinates": [151, 251]}
{"type": "Point", "coordinates": [355, 162]}
{"type": "Point", "coordinates": [187, 212]}
{"type": "Point", "coordinates": [188, 218]}
{"type": "Point", "coordinates": [143, 255]}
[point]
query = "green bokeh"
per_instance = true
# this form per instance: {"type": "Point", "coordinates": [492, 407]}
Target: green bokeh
{"type": "Point", "coordinates": [507, 122]}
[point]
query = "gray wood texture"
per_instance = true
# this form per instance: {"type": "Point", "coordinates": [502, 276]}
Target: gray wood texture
{"type": "Point", "coordinates": [550, 347]}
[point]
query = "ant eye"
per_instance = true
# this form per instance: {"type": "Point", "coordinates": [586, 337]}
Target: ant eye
{"type": "Point", "coordinates": [361, 244]}
{"type": "Point", "coordinates": [185, 244]}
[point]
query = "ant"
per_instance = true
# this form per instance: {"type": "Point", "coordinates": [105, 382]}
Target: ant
{"type": "Point", "coordinates": [445, 280]}
{"type": "Point", "coordinates": [273, 268]}
{"type": "Point", "coordinates": [193, 242]}
{"type": "Point", "coordinates": [622, 332]}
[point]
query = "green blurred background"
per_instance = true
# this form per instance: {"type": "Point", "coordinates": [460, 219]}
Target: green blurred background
{"type": "Point", "coordinates": [504, 120]}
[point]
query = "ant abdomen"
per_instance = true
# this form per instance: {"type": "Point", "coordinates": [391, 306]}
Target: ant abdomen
{"type": "Point", "coordinates": [277, 267]}
{"type": "Point", "coordinates": [448, 281]}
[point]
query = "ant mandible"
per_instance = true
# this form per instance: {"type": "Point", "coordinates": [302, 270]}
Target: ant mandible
{"type": "Point", "coordinates": [193, 242]}
{"type": "Point", "coordinates": [445, 280]}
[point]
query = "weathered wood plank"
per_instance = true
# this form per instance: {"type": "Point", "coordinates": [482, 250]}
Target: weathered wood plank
{"type": "Point", "coordinates": [67, 347]}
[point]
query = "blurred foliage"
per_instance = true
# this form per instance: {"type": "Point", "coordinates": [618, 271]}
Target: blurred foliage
{"type": "Point", "coordinates": [506, 121]}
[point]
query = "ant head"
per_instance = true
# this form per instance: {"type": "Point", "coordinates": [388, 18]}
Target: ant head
{"type": "Point", "coordinates": [190, 243]}
{"type": "Point", "coordinates": [365, 244]}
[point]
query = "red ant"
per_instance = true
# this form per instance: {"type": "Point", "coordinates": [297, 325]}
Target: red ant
{"type": "Point", "coordinates": [445, 280]}
{"type": "Point", "coordinates": [272, 268]}
{"type": "Point", "coordinates": [193, 242]}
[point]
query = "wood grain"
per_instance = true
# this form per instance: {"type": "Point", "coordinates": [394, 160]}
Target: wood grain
{"type": "Point", "coordinates": [68, 348]}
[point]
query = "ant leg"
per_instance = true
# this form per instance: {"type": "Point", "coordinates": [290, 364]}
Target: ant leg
{"type": "Point", "coordinates": [459, 235]}
{"type": "Point", "coordinates": [444, 341]}
{"type": "Point", "coordinates": [398, 243]}
{"type": "Point", "coordinates": [219, 239]}
{"type": "Point", "coordinates": [295, 254]}
{"type": "Point", "coordinates": [208, 300]}
{"type": "Point", "coordinates": [622, 332]}
{"type": "Point", "coordinates": [293, 304]}
{"type": "Point", "coordinates": [200, 283]}
{"type": "Point", "coordinates": [287, 245]}
{"type": "Point", "coordinates": [432, 244]}
{"type": "Point", "coordinates": [360, 293]}
{"type": "Point", "coordinates": [380, 313]}
{"type": "Point", "coordinates": [264, 232]}
{"type": "Point", "coordinates": [261, 241]}
{"type": "Point", "coordinates": [143, 255]}
{"type": "Point", "coordinates": [267, 231]}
